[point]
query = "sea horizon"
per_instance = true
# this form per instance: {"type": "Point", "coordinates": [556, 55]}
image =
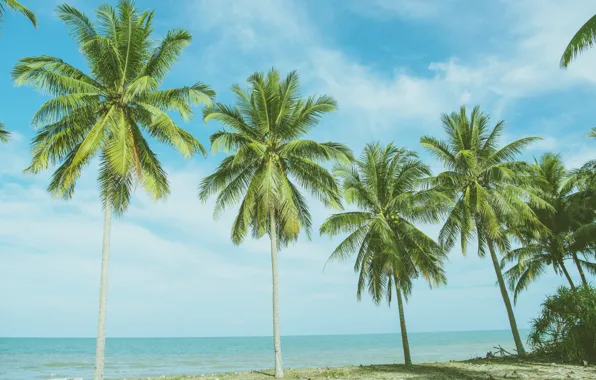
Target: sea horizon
{"type": "Point", "coordinates": [256, 336]}
{"type": "Point", "coordinates": [45, 358]}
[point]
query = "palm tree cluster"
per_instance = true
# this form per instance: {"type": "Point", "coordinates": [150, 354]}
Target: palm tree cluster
{"type": "Point", "coordinates": [528, 217]}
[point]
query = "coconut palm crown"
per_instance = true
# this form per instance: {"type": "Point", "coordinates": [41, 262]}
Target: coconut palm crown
{"type": "Point", "coordinates": [109, 112]}
{"type": "Point", "coordinates": [270, 163]}
{"type": "Point", "coordinates": [384, 185]}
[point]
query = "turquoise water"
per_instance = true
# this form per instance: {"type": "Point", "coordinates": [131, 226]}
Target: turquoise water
{"type": "Point", "coordinates": [55, 358]}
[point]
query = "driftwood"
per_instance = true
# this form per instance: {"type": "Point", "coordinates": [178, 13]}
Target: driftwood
{"type": "Point", "coordinates": [503, 352]}
{"type": "Point", "coordinates": [500, 352]}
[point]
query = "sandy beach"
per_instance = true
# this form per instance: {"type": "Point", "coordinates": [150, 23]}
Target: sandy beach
{"type": "Point", "coordinates": [468, 370]}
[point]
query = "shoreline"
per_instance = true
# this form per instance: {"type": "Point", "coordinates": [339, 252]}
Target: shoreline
{"type": "Point", "coordinates": [498, 368]}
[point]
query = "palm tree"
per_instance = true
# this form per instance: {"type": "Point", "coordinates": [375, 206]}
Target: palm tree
{"type": "Point", "coordinates": [104, 114]}
{"type": "Point", "coordinates": [584, 38]}
{"type": "Point", "coordinates": [484, 181]}
{"type": "Point", "coordinates": [16, 6]}
{"type": "Point", "coordinates": [269, 164]}
{"type": "Point", "coordinates": [391, 251]}
{"type": "Point", "coordinates": [4, 134]}
{"type": "Point", "coordinates": [555, 185]}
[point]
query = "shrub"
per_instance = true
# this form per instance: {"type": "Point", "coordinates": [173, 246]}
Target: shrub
{"type": "Point", "coordinates": [566, 327]}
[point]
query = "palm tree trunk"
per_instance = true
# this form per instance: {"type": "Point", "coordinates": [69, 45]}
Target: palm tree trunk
{"type": "Point", "coordinates": [562, 264]}
{"type": "Point", "coordinates": [402, 325]}
{"type": "Point", "coordinates": [580, 269]}
{"type": "Point", "coordinates": [518, 343]}
{"type": "Point", "coordinates": [103, 295]}
{"type": "Point", "coordinates": [279, 372]}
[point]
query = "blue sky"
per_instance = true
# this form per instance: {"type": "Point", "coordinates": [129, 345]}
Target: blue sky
{"type": "Point", "coordinates": [393, 65]}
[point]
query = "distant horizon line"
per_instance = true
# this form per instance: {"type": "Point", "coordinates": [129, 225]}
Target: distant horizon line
{"type": "Point", "coordinates": [248, 336]}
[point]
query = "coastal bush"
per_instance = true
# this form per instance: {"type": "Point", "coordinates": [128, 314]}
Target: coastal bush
{"type": "Point", "coordinates": [566, 327]}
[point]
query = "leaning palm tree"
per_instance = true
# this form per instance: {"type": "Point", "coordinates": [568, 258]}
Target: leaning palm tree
{"type": "Point", "coordinates": [584, 39]}
{"type": "Point", "coordinates": [105, 114]}
{"type": "Point", "coordinates": [484, 182]}
{"type": "Point", "coordinates": [269, 164]}
{"type": "Point", "coordinates": [16, 6]}
{"type": "Point", "coordinates": [4, 134]}
{"type": "Point", "coordinates": [538, 251]}
{"type": "Point", "coordinates": [390, 250]}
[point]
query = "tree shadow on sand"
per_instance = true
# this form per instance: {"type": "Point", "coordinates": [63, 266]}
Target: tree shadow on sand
{"type": "Point", "coordinates": [427, 371]}
{"type": "Point", "coordinates": [264, 373]}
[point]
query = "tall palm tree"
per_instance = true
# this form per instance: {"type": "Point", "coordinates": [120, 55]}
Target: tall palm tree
{"type": "Point", "coordinates": [108, 114]}
{"type": "Point", "coordinates": [16, 6]}
{"type": "Point", "coordinates": [584, 39]}
{"type": "Point", "coordinates": [484, 181]}
{"type": "Point", "coordinates": [390, 250]}
{"type": "Point", "coordinates": [4, 134]}
{"type": "Point", "coordinates": [555, 185]}
{"type": "Point", "coordinates": [269, 164]}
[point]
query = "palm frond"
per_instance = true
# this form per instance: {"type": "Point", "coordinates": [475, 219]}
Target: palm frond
{"type": "Point", "coordinates": [269, 166]}
{"type": "Point", "coordinates": [584, 39]}
{"type": "Point", "coordinates": [4, 134]}
{"type": "Point", "coordinates": [20, 8]}
{"type": "Point", "coordinates": [166, 54]}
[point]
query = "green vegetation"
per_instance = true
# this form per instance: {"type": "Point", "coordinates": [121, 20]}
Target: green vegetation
{"type": "Point", "coordinates": [566, 237]}
{"type": "Point", "coordinates": [385, 185]}
{"type": "Point", "coordinates": [268, 163]}
{"type": "Point", "coordinates": [104, 114]}
{"type": "Point", "coordinates": [584, 39]}
{"type": "Point", "coordinates": [4, 134]}
{"type": "Point", "coordinates": [566, 328]}
{"type": "Point", "coordinates": [16, 6]}
{"type": "Point", "coordinates": [537, 216]}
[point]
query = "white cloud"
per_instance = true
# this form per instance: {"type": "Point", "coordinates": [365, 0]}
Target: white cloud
{"type": "Point", "coordinates": [410, 9]}
{"type": "Point", "coordinates": [579, 157]}
{"type": "Point", "coordinates": [526, 66]}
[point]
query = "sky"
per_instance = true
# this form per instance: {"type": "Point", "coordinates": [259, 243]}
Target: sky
{"type": "Point", "coordinates": [394, 66]}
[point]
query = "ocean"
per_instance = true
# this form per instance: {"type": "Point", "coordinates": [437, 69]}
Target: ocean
{"type": "Point", "coordinates": [60, 358]}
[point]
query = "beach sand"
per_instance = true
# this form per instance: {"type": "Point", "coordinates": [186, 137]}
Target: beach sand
{"type": "Point", "coordinates": [468, 370]}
